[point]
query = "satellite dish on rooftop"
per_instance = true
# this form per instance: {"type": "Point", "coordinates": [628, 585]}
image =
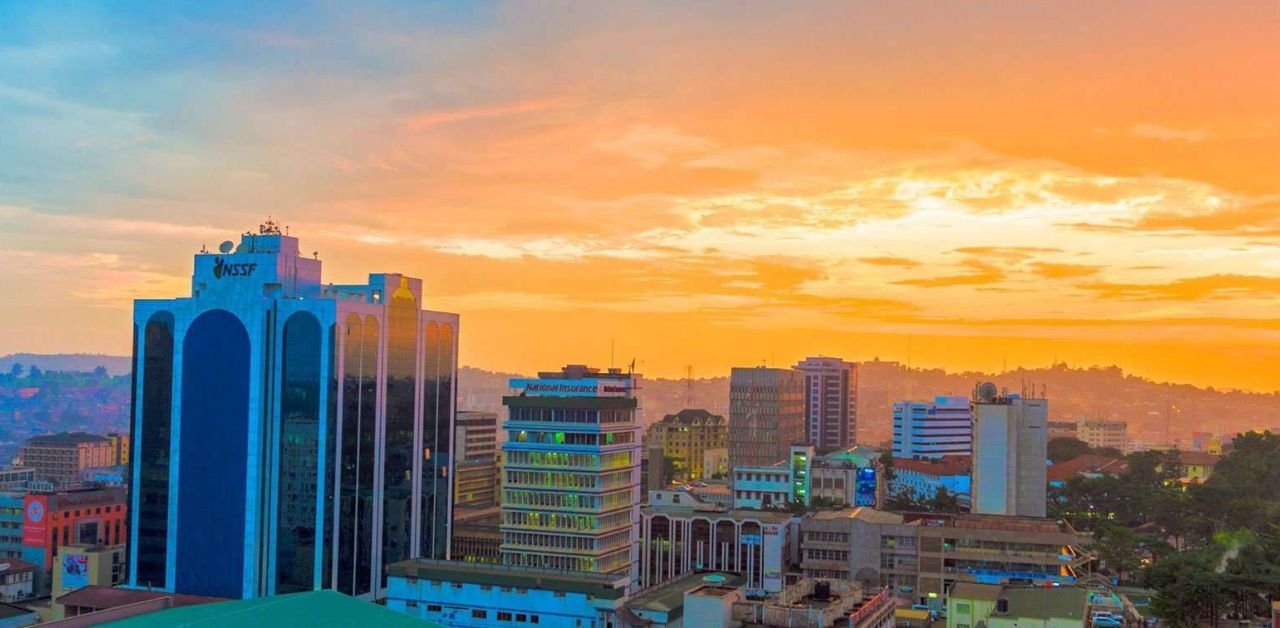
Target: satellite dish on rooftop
{"type": "Point", "coordinates": [226, 247]}
{"type": "Point", "coordinates": [987, 392]}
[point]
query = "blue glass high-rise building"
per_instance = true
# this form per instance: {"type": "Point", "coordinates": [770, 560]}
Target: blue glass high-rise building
{"type": "Point", "coordinates": [289, 435]}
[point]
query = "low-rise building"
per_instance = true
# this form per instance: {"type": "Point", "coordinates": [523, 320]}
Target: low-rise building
{"type": "Point", "coordinates": [844, 477]}
{"type": "Point", "coordinates": [970, 605]}
{"type": "Point", "coordinates": [17, 580]}
{"type": "Point", "coordinates": [921, 479]}
{"type": "Point", "coordinates": [14, 616]}
{"type": "Point", "coordinates": [681, 534]}
{"type": "Point", "coordinates": [1197, 466]}
{"type": "Point", "coordinates": [79, 566]}
{"type": "Point", "coordinates": [79, 517]}
{"type": "Point", "coordinates": [481, 595]}
{"type": "Point", "coordinates": [112, 603]}
{"type": "Point", "coordinates": [817, 604]}
{"type": "Point", "coordinates": [16, 478]}
{"type": "Point", "coordinates": [919, 556]}
{"type": "Point", "coordinates": [1087, 466]}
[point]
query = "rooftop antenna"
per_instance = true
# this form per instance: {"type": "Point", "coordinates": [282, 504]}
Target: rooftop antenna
{"type": "Point", "coordinates": [612, 344]}
{"type": "Point", "coordinates": [688, 392]}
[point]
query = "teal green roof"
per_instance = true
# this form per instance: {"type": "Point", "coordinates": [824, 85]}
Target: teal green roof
{"type": "Point", "coordinates": [315, 609]}
{"type": "Point", "coordinates": [860, 456]}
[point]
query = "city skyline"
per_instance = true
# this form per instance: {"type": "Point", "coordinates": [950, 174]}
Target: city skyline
{"type": "Point", "coordinates": [1089, 187]}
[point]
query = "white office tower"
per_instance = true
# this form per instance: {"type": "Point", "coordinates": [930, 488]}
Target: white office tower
{"type": "Point", "coordinates": [930, 431]}
{"type": "Point", "coordinates": [1010, 439]}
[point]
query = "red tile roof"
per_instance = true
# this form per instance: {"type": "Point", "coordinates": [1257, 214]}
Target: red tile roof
{"type": "Point", "coordinates": [13, 565]}
{"type": "Point", "coordinates": [1087, 463]}
{"type": "Point", "coordinates": [99, 597]}
{"type": "Point", "coordinates": [1198, 458]}
{"type": "Point", "coordinates": [947, 465]}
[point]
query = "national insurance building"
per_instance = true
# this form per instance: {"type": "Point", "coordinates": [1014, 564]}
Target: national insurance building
{"type": "Point", "coordinates": [289, 435]}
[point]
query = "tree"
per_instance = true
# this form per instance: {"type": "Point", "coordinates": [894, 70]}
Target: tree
{"type": "Point", "coordinates": [34, 372]}
{"type": "Point", "coordinates": [886, 464]}
{"type": "Point", "coordinates": [100, 372]}
{"type": "Point", "coordinates": [943, 501]}
{"type": "Point", "coordinates": [1188, 589]}
{"type": "Point", "coordinates": [668, 469]}
{"type": "Point", "coordinates": [1065, 448]}
{"type": "Point", "coordinates": [16, 370]}
{"type": "Point", "coordinates": [1117, 548]}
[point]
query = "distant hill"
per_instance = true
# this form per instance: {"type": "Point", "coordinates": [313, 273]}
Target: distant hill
{"type": "Point", "coordinates": [1154, 410]}
{"type": "Point", "coordinates": [115, 364]}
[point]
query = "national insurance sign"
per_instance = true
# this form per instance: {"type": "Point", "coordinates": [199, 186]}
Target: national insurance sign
{"type": "Point", "coordinates": [586, 387]}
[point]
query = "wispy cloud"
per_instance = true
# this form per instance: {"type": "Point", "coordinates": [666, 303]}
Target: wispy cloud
{"type": "Point", "coordinates": [427, 119]}
{"type": "Point", "coordinates": [1162, 133]}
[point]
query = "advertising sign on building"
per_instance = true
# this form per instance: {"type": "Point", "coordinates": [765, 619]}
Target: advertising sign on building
{"type": "Point", "coordinates": [772, 553]}
{"type": "Point", "coordinates": [586, 387]}
{"type": "Point", "coordinates": [35, 521]}
{"type": "Point", "coordinates": [75, 571]}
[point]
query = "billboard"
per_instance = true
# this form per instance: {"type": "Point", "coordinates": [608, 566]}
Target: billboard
{"type": "Point", "coordinates": [774, 538]}
{"type": "Point", "coordinates": [585, 387]}
{"type": "Point", "coordinates": [75, 571]}
{"type": "Point", "coordinates": [35, 521]}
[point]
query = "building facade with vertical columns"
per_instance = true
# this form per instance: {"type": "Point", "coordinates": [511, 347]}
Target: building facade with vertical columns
{"type": "Point", "coordinates": [680, 534]}
{"type": "Point", "coordinates": [287, 434]}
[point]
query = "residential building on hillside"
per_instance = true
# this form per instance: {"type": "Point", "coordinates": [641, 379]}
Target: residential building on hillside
{"type": "Point", "coordinates": [60, 458]}
{"type": "Point", "coordinates": [930, 431]}
{"type": "Point", "coordinates": [685, 437]}
{"type": "Point", "coordinates": [766, 415]}
{"type": "Point", "coordinates": [571, 480]}
{"type": "Point", "coordinates": [1010, 455]}
{"type": "Point", "coordinates": [319, 416]}
{"type": "Point", "coordinates": [830, 402]}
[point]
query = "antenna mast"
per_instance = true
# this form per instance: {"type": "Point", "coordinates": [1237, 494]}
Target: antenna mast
{"type": "Point", "coordinates": [688, 391]}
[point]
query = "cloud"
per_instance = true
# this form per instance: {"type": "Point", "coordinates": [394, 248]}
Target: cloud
{"type": "Point", "coordinates": [1050, 270]}
{"type": "Point", "coordinates": [1192, 289]}
{"type": "Point", "coordinates": [887, 260]}
{"type": "Point", "coordinates": [984, 274]}
{"type": "Point", "coordinates": [423, 120]}
{"type": "Point", "coordinates": [1150, 131]}
{"type": "Point", "coordinates": [653, 146]}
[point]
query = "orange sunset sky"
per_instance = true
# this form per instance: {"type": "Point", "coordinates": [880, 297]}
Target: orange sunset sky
{"type": "Point", "coordinates": [705, 184]}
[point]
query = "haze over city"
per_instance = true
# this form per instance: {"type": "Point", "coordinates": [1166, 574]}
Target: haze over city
{"type": "Point", "coordinates": [970, 186]}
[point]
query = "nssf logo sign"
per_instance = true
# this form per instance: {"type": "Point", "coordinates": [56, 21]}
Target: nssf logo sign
{"type": "Point", "coordinates": [222, 269]}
